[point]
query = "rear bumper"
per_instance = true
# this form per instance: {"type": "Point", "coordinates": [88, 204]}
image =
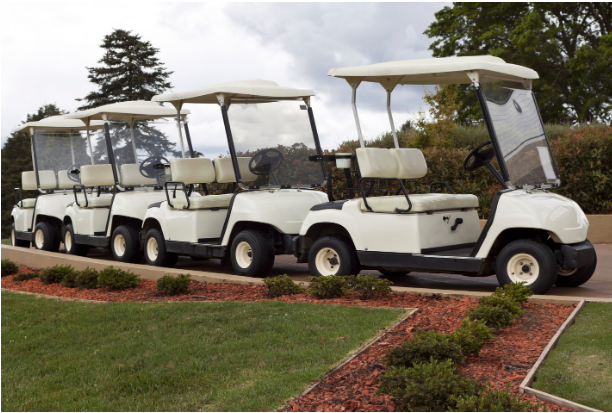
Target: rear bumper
{"type": "Point", "coordinates": [574, 256]}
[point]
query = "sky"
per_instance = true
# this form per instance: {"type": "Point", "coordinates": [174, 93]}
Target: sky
{"type": "Point", "coordinates": [47, 47]}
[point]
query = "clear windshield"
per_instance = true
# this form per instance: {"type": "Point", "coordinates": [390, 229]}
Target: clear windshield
{"type": "Point", "coordinates": [278, 139]}
{"type": "Point", "coordinates": [520, 133]}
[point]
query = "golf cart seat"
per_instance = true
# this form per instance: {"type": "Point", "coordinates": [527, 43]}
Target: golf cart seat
{"type": "Point", "coordinates": [47, 180]}
{"type": "Point", "coordinates": [63, 181]}
{"type": "Point", "coordinates": [97, 175]}
{"type": "Point", "coordinates": [197, 171]}
{"type": "Point", "coordinates": [224, 170]}
{"type": "Point", "coordinates": [28, 183]}
{"type": "Point", "coordinates": [405, 163]}
{"type": "Point", "coordinates": [131, 176]}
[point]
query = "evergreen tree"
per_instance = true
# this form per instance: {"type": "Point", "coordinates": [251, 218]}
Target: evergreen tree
{"type": "Point", "coordinates": [16, 158]}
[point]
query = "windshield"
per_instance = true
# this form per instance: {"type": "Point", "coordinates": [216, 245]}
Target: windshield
{"type": "Point", "coordinates": [278, 139]}
{"type": "Point", "coordinates": [520, 133]}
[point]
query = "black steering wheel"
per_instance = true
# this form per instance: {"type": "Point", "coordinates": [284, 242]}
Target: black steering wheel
{"type": "Point", "coordinates": [74, 171]}
{"type": "Point", "coordinates": [266, 162]}
{"type": "Point", "coordinates": [481, 157]}
{"type": "Point", "coordinates": [154, 167]}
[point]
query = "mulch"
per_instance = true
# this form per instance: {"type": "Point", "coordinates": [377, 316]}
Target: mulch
{"type": "Point", "coordinates": [353, 387]}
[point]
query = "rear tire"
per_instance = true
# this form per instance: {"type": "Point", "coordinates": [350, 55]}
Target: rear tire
{"type": "Point", "coordinates": [46, 237]}
{"type": "Point", "coordinates": [125, 244]}
{"type": "Point", "coordinates": [527, 261]}
{"type": "Point", "coordinates": [71, 245]}
{"type": "Point", "coordinates": [252, 253]}
{"type": "Point", "coordinates": [332, 256]}
{"type": "Point", "coordinates": [18, 242]}
{"type": "Point", "coordinates": [155, 250]}
{"type": "Point", "coordinates": [577, 277]}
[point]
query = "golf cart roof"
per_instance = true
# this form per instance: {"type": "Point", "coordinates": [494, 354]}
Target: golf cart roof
{"type": "Point", "coordinates": [127, 111]}
{"type": "Point", "coordinates": [435, 71]}
{"type": "Point", "coordinates": [251, 91]}
{"type": "Point", "coordinates": [58, 123]}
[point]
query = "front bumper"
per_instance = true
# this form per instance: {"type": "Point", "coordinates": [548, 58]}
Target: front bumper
{"type": "Point", "coordinates": [572, 256]}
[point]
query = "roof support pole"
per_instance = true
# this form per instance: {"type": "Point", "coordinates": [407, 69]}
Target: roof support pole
{"type": "Point", "coordinates": [178, 124]}
{"type": "Point", "coordinates": [188, 136]}
{"type": "Point", "coordinates": [89, 142]}
{"type": "Point", "coordinates": [34, 158]}
{"type": "Point", "coordinates": [109, 149]}
{"type": "Point", "coordinates": [354, 102]}
{"type": "Point", "coordinates": [72, 148]}
{"type": "Point", "coordinates": [230, 138]}
{"type": "Point", "coordinates": [395, 141]}
{"type": "Point", "coordinates": [133, 140]}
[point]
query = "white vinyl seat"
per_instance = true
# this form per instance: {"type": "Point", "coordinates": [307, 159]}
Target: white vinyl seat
{"type": "Point", "coordinates": [196, 171]}
{"type": "Point", "coordinates": [97, 175]}
{"type": "Point", "coordinates": [27, 203]}
{"type": "Point", "coordinates": [130, 175]}
{"type": "Point", "coordinates": [224, 170]}
{"type": "Point", "coordinates": [202, 202]}
{"type": "Point", "coordinates": [421, 202]}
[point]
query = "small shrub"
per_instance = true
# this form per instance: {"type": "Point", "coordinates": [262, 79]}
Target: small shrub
{"type": "Point", "coordinates": [55, 274]}
{"type": "Point", "coordinates": [496, 311]}
{"type": "Point", "coordinates": [368, 286]}
{"type": "Point", "coordinates": [427, 387]}
{"type": "Point", "coordinates": [116, 279]}
{"type": "Point", "coordinates": [22, 276]}
{"type": "Point", "coordinates": [491, 400]}
{"type": "Point", "coordinates": [281, 285]}
{"type": "Point", "coordinates": [88, 278]}
{"type": "Point", "coordinates": [471, 336]}
{"type": "Point", "coordinates": [70, 279]}
{"type": "Point", "coordinates": [423, 347]}
{"type": "Point", "coordinates": [169, 284]}
{"type": "Point", "coordinates": [9, 268]}
{"type": "Point", "coordinates": [328, 286]}
{"type": "Point", "coordinates": [516, 292]}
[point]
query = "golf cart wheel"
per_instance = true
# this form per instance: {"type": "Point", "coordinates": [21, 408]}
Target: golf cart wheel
{"type": "Point", "coordinates": [252, 253]}
{"type": "Point", "coordinates": [155, 250]}
{"type": "Point", "coordinates": [125, 244]}
{"type": "Point", "coordinates": [71, 245]}
{"type": "Point", "coordinates": [529, 262]}
{"type": "Point", "coordinates": [46, 237]}
{"type": "Point", "coordinates": [332, 256]}
{"type": "Point", "coordinates": [576, 277]}
{"type": "Point", "coordinates": [18, 242]}
{"type": "Point", "coordinates": [390, 272]}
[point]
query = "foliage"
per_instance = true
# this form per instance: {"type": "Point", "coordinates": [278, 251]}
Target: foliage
{"type": "Point", "coordinates": [281, 285]}
{"type": "Point", "coordinates": [55, 274]}
{"type": "Point", "coordinates": [22, 276]}
{"type": "Point", "coordinates": [423, 347]}
{"type": "Point", "coordinates": [496, 311]}
{"type": "Point", "coordinates": [568, 44]}
{"type": "Point", "coordinates": [327, 286]}
{"type": "Point", "coordinates": [9, 268]}
{"type": "Point", "coordinates": [88, 278]}
{"type": "Point", "coordinates": [491, 400]}
{"type": "Point", "coordinates": [69, 279]}
{"type": "Point", "coordinates": [439, 130]}
{"type": "Point", "coordinates": [169, 284]}
{"type": "Point", "coordinates": [517, 292]}
{"type": "Point", "coordinates": [471, 336]}
{"type": "Point", "coordinates": [426, 387]}
{"type": "Point", "coordinates": [116, 279]}
{"type": "Point", "coordinates": [368, 286]}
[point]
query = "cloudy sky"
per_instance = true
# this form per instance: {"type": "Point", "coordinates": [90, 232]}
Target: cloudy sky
{"type": "Point", "coordinates": [47, 47]}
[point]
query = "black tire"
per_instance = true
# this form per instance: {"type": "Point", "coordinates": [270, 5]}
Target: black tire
{"type": "Point", "coordinates": [515, 255]}
{"type": "Point", "coordinates": [18, 242]}
{"type": "Point", "coordinates": [155, 252]}
{"type": "Point", "coordinates": [252, 253]}
{"type": "Point", "coordinates": [71, 245]}
{"type": "Point", "coordinates": [125, 244]}
{"type": "Point", "coordinates": [329, 254]}
{"type": "Point", "coordinates": [578, 277]}
{"type": "Point", "coordinates": [47, 237]}
{"type": "Point", "coordinates": [392, 273]}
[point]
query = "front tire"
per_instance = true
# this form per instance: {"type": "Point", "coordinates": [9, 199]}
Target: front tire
{"type": "Point", "coordinates": [71, 245]}
{"type": "Point", "coordinates": [155, 250]}
{"type": "Point", "coordinates": [125, 244]}
{"type": "Point", "coordinates": [46, 237]}
{"type": "Point", "coordinates": [252, 253]}
{"type": "Point", "coordinates": [332, 256]}
{"type": "Point", "coordinates": [527, 261]}
{"type": "Point", "coordinates": [577, 277]}
{"type": "Point", "coordinates": [18, 242]}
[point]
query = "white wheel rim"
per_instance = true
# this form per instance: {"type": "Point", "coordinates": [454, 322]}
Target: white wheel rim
{"type": "Point", "coordinates": [119, 245]}
{"type": "Point", "coordinates": [244, 254]}
{"type": "Point", "coordinates": [39, 238]}
{"type": "Point", "coordinates": [565, 273]}
{"type": "Point", "coordinates": [523, 268]}
{"type": "Point", "coordinates": [152, 249]}
{"type": "Point", "coordinates": [68, 241]}
{"type": "Point", "coordinates": [13, 237]}
{"type": "Point", "coordinates": [327, 261]}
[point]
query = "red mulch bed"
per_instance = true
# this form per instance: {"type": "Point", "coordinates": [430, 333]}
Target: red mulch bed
{"type": "Point", "coordinates": [353, 387]}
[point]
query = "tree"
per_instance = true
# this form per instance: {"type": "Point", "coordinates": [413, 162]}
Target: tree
{"type": "Point", "coordinates": [568, 44]}
{"type": "Point", "coordinates": [16, 158]}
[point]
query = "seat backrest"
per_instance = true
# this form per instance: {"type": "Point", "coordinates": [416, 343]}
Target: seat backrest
{"type": "Point", "coordinates": [97, 175]}
{"type": "Point", "coordinates": [63, 182]}
{"type": "Point", "coordinates": [130, 176]}
{"type": "Point", "coordinates": [47, 179]}
{"type": "Point", "coordinates": [193, 170]}
{"type": "Point", "coordinates": [376, 163]}
{"type": "Point", "coordinates": [225, 170]}
{"type": "Point", "coordinates": [411, 163]}
{"type": "Point", "coordinates": [28, 181]}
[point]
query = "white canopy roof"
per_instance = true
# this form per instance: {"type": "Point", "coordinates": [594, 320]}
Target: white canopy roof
{"type": "Point", "coordinates": [58, 124]}
{"type": "Point", "coordinates": [244, 90]}
{"type": "Point", "coordinates": [126, 111]}
{"type": "Point", "coordinates": [435, 71]}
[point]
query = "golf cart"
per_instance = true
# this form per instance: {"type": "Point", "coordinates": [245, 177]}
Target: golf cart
{"type": "Point", "coordinates": [132, 156]}
{"type": "Point", "coordinates": [532, 235]}
{"type": "Point", "coordinates": [271, 134]}
{"type": "Point", "coordinates": [58, 146]}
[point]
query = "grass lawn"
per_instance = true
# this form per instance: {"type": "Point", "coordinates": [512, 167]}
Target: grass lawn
{"type": "Point", "coordinates": [221, 356]}
{"type": "Point", "coordinates": [6, 241]}
{"type": "Point", "coordinates": [580, 367]}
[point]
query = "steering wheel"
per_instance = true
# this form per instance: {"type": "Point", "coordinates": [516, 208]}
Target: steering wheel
{"type": "Point", "coordinates": [74, 171]}
{"type": "Point", "coordinates": [267, 162]}
{"type": "Point", "coordinates": [154, 167]}
{"type": "Point", "coordinates": [481, 157]}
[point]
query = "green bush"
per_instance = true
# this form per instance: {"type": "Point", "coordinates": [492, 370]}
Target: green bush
{"type": "Point", "coordinates": [427, 387]}
{"type": "Point", "coordinates": [281, 285]}
{"type": "Point", "coordinates": [116, 279]}
{"type": "Point", "coordinates": [471, 336]}
{"type": "Point", "coordinates": [496, 311]}
{"type": "Point", "coordinates": [491, 400]}
{"type": "Point", "coordinates": [423, 347]}
{"type": "Point", "coordinates": [55, 274]}
{"type": "Point", "coordinates": [22, 276]}
{"type": "Point", "coordinates": [368, 286]}
{"type": "Point", "coordinates": [516, 292]}
{"type": "Point", "coordinates": [88, 278]}
{"type": "Point", "coordinates": [9, 268]}
{"type": "Point", "coordinates": [327, 286]}
{"type": "Point", "coordinates": [69, 279]}
{"type": "Point", "coordinates": [169, 284]}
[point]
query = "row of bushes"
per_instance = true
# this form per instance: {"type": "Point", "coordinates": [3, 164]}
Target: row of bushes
{"type": "Point", "coordinates": [332, 286]}
{"type": "Point", "coordinates": [422, 374]}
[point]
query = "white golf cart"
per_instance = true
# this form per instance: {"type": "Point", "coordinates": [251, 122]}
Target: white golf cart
{"type": "Point", "coordinates": [532, 235]}
{"type": "Point", "coordinates": [131, 156]}
{"type": "Point", "coordinates": [271, 134]}
{"type": "Point", "coordinates": [58, 146]}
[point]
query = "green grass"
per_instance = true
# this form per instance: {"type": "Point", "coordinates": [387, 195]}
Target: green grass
{"type": "Point", "coordinates": [6, 241]}
{"type": "Point", "coordinates": [580, 367]}
{"type": "Point", "coordinates": [221, 356]}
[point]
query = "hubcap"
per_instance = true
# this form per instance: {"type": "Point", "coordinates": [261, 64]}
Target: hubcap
{"type": "Point", "coordinates": [68, 241]}
{"type": "Point", "coordinates": [327, 261]}
{"type": "Point", "coordinates": [119, 245]}
{"type": "Point", "coordinates": [39, 239]}
{"type": "Point", "coordinates": [152, 250]}
{"type": "Point", "coordinates": [244, 254]}
{"type": "Point", "coordinates": [565, 273]}
{"type": "Point", "coordinates": [523, 268]}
